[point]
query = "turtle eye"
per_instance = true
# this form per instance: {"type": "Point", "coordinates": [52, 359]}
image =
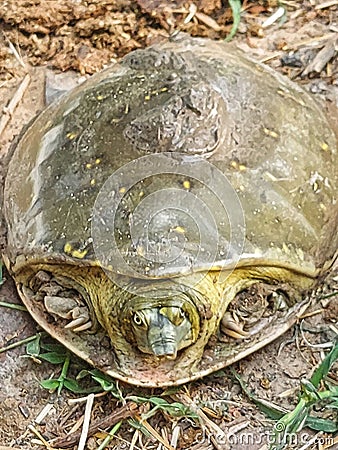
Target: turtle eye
{"type": "Point", "coordinates": [137, 320]}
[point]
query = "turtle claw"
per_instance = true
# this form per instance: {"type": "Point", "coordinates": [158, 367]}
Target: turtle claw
{"type": "Point", "coordinates": [84, 327]}
{"type": "Point", "coordinates": [232, 327]}
{"type": "Point", "coordinates": [79, 324]}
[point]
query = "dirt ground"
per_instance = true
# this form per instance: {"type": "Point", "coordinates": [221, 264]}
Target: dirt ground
{"type": "Point", "coordinates": [39, 39]}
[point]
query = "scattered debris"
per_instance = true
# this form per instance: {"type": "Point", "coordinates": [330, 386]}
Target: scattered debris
{"type": "Point", "coordinates": [130, 409]}
{"type": "Point", "coordinates": [7, 111]}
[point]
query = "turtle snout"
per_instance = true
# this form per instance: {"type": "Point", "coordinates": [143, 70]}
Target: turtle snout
{"type": "Point", "coordinates": [163, 341]}
{"type": "Point", "coordinates": [162, 331]}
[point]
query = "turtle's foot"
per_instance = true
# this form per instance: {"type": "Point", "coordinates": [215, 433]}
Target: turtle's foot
{"type": "Point", "coordinates": [252, 309]}
{"type": "Point", "coordinates": [68, 308]}
{"type": "Point", "coordinates": [231, 326]}
{"type": "Point", "coordinates": [63, 299]}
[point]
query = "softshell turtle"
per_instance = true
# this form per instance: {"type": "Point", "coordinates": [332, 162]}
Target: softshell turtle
{"type": "Point", "coordinates": [167, 217]}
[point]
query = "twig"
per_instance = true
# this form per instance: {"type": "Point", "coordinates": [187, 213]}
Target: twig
{"type": "Point", "coordinates": [327, 4]}
{"type": "Point", "coordinates": [86, 422]}
{"type": "Point", "coordinates": [307, 42]}
{"type": "Point", "coordinates": [76, 425]}
{"type": "Point", "coordinates": [9, 110]}
{"type": "Point", "coordinates": [39, 435]}
{"type": "Point", "coordinates": [74, 401]}
{"type": "Point", "coordinates": [128, 410]}
{"type": "Point", "coordinates": [274, 17]}
{"type": "Point", "coordinates": [134, 439]}
{"type": "Point", "coordinates": [8, 448]}
{"type": "Point", "coordinates": [175, 434]}
{"type": "Point", "coordinates": [14, 51]}
{"type": "Point", "coordinates": [323, 57]}
{"type": "Point", "coordinates": [154, 433]}
{"type": "Point", "coordinates": [43, 413]}
{"type": "Point", "coordinates": [208, 21]}
{"type": "Point", "coordinates": [210, 427]}
{"type": "Point", "coordinates": [192, 12]}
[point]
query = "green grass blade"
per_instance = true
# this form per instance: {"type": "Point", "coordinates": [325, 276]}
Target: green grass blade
{"type": "Point", "coordinates": [325, 366]}
{"type": "Point", "coordinates": [110, 436]}
{"type": "Point", "coordinates": [174, 409]}
{"type": "Point", "coordinates": [13, 306]}
{"type": "Point", "coordinates": [325, 425]}
{"type": "Point", "coordinates": [236, 6]}
{"type": "Point", "coordinates": [295, 420]}
{"type": "Point", "coordinates": [17, 344]}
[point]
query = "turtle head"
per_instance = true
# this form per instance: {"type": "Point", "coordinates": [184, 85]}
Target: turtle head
{"type": "Point", "coordinates": [162, 330]}
{"type": "Point", "coordinates": [161, 326]}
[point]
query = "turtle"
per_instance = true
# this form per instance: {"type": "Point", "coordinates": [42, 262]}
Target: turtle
{"type": "Point", "coordinates": [173, 213]}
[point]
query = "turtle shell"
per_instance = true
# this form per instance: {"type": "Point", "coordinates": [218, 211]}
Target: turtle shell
{"type": "Point", "coordinates": [183, 158]}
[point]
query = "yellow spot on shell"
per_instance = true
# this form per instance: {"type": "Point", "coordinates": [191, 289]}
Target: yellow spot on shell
{"type": "Point", "coordinates": [237, 166]}
{"type": "Point", "coordinates": [68, 248]}
{"type": "Point", "coordinates": [97, 161]}
{"type": "Point", "coordinates": [122, 190]}
{"type": "Point", "coordinates": [270, 133]}
{"type": "Point", "coordinates": [179, 229]}
{"type": "Point", "coordinates": [141, 194]}
{"type": "Point", "coordinates": [147, 97]}
{"type": "Point", "coordinates": [140, 250]}
{"type": "Point", "coordinates": [99, 97]}
{"type": "Point", "coordinates": [78, 254]}
{"type": "Point", "coordinates": [324, 146]}
{"type": "Point", "coordinates": [285, 248]}
{"type": "Point", "coordinates": [186, 184]}
{"type": "Point", "coordinates": [300, 253]}
{"type": "Point", "coordinates": [88, 166]}
{"type": "Point", "coordinates": [71, 136]}
{"type": "Point", "coordinates": [93, 182]}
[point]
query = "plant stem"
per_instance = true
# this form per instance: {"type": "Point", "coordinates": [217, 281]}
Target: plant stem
{"type": "Point", "coordinates": [18, 343]}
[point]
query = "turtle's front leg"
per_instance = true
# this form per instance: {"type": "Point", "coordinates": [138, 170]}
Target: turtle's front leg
{"type": "Point", "coordinates": [63, 300]}
{"type": "Point", "coordinates": [251, 309]}
{"type": "Point", "coordinates": [232, 326]}
{"type": "Point", "coordinates": [68, 308]}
